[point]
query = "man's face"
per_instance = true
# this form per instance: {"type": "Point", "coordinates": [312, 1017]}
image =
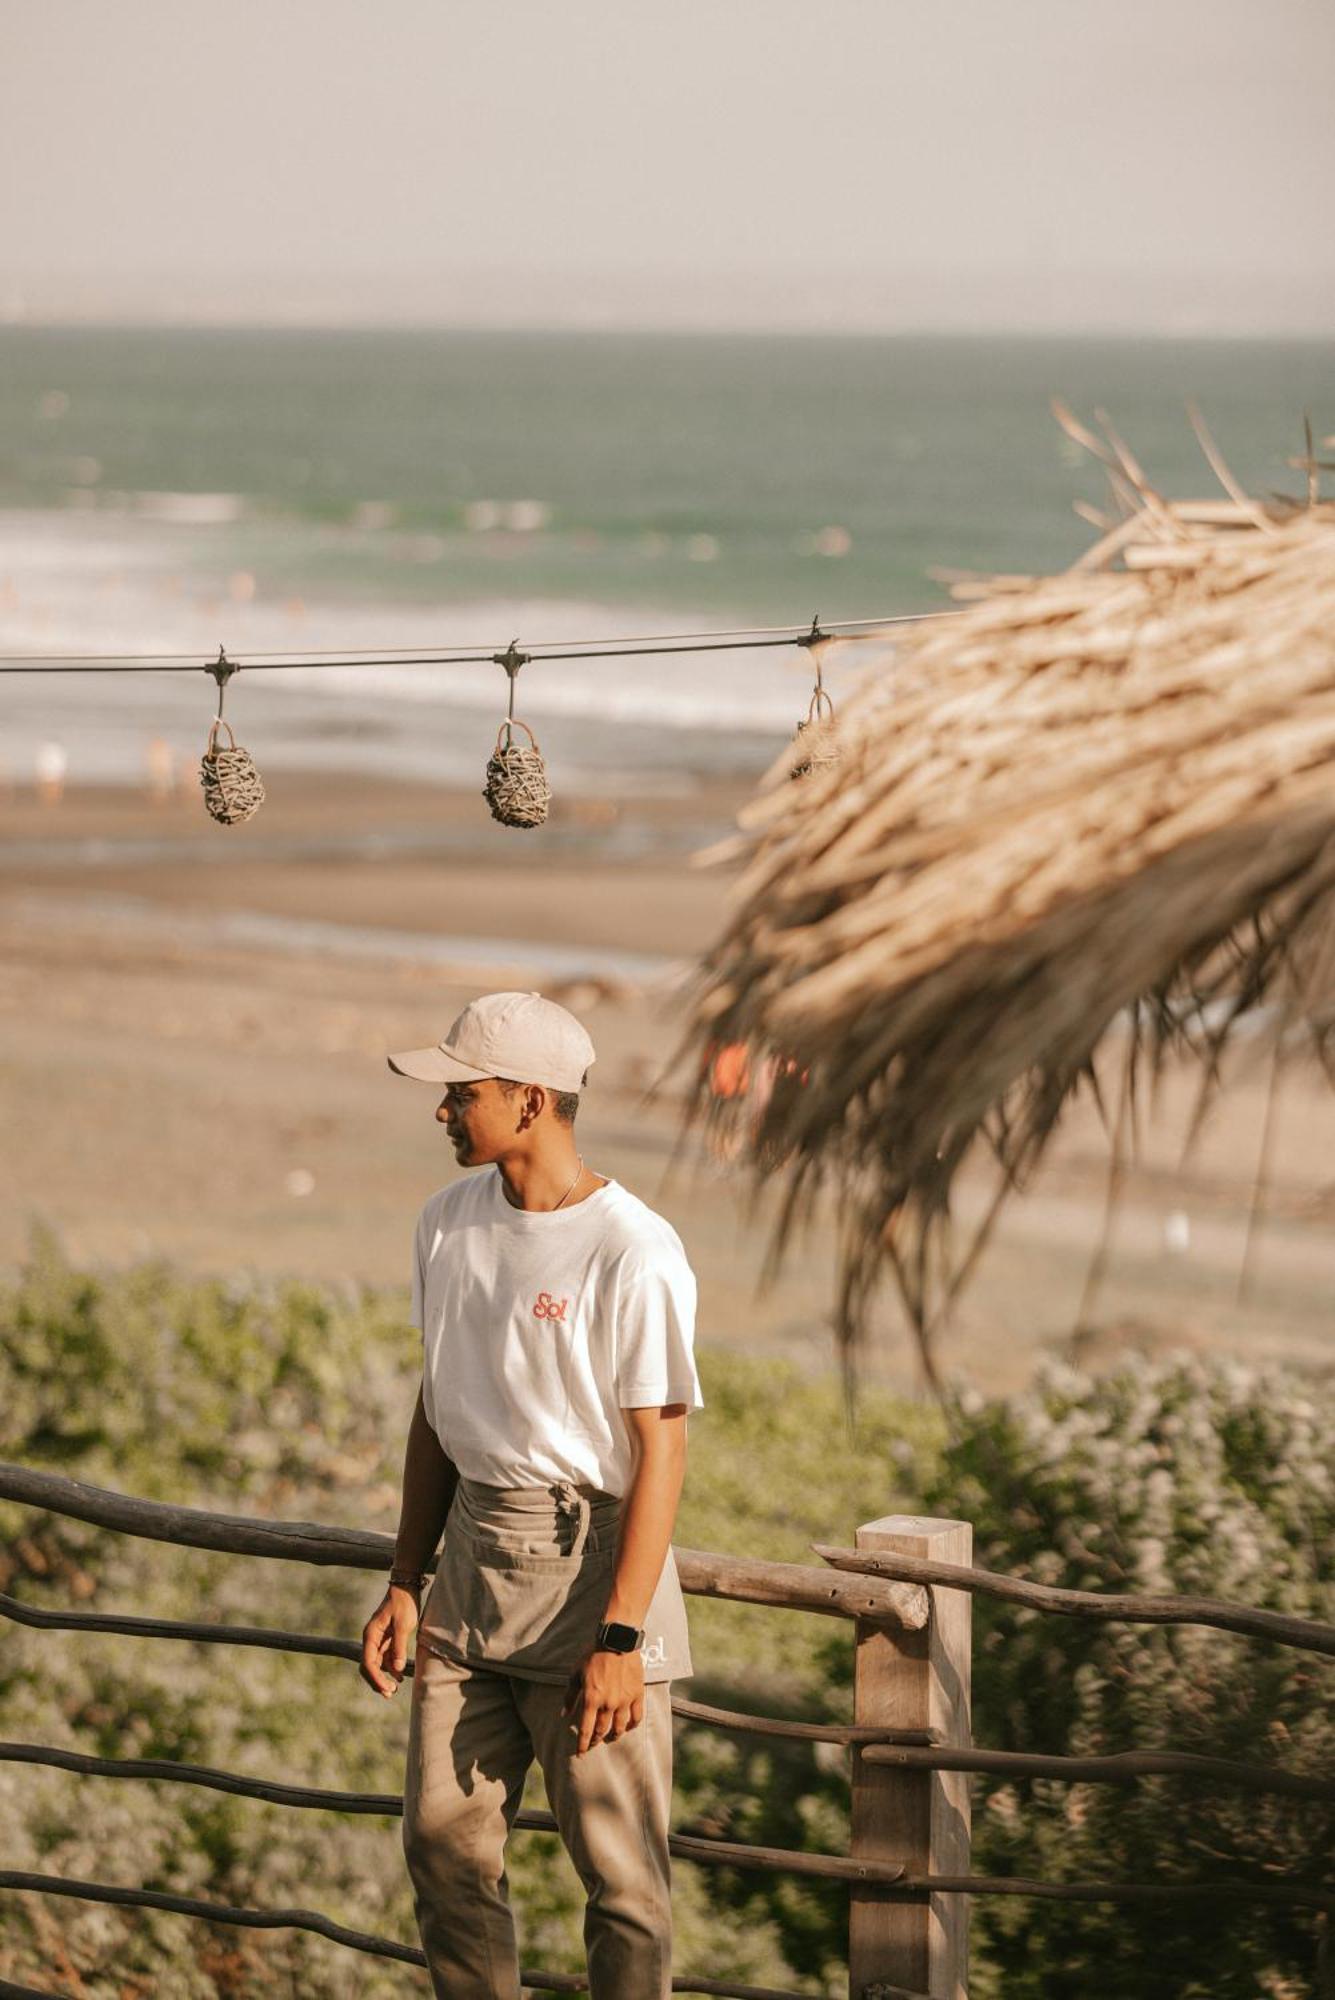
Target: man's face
{"type": "Point", "coordinates": [481, 1119]}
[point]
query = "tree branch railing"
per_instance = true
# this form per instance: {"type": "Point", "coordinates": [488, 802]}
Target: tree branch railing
{"type": "Point", "coordinates": [877, 1746]}
{"type": "Point", "coordinates": [342, 1934]}
{"type": "Point", "coordinates": [1120, 1767]}
{"type": "Point", "coordinates": [567, 1982]}
{"type": "Point", "coordinates": [1307, 1633]}
{"type": "Point", "coordinates": [883, 1590]}
{"type": "Point", "coordinates": [691, 1847]}
{"type": "Point", "coordinates": [795, 1586]}
{"type": "Point", "coordinates": [39, 1618]}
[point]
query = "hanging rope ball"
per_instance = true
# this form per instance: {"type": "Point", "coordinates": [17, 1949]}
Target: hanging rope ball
{"type": "Point", "coordinates": [232, 787]}
{"type": "Point", "coordinates": [814, 747]}
{"type": "Point", "coordinates": [517, 788]}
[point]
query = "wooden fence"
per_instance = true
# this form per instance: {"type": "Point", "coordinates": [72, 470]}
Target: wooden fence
{"type": "Point", "coordinates": [907, 1585]}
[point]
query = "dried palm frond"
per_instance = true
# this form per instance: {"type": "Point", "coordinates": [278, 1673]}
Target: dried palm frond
{"type": "Point", "coordinates": [1094, 804]}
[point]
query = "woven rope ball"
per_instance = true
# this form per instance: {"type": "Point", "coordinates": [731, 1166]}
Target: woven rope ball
{"type": "Point", "coordinates": [232, 787]}
{"type": "Point", "coordinates": [814, 747]}
{"type": "Point", "coordinates": [517, 788]}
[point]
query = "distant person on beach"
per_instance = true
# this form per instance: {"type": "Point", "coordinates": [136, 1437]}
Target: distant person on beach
{"type": "Point", "coordinates": [160, 764]}
{"type": "Point", "coordinates": [732, 1076]}
{"type": "Point", "coordinates": [557, 1313]}
{"type": "Point", "coordinates": [729, 1079]}
{"type": "Point", "coordinates": [51, 764]}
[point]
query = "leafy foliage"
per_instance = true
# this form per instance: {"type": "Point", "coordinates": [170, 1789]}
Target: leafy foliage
{"type": "Point", "coordinates": [1171, 1476]}
{"type": "Point", "coordinates": [293, 1399]}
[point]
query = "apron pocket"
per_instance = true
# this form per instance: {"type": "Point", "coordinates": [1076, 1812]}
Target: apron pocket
{"type": "Point", "coordinates": [535, 1611]}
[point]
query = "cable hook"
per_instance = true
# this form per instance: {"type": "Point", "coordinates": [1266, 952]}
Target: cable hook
{"type": "Point", "coordinates": [813, 641]}
{"type": "Point", "coordinates": [222, 670]}
{"type": "Point", "coordinates": [512, 660]}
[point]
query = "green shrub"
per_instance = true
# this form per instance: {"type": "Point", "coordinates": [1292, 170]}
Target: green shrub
{"type": "Point", "coordinates": [293, 1399]}
{"type": "Point", "coordinates": [1172, 1477]}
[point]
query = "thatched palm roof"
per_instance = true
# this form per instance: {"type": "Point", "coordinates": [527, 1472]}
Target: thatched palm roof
{"type": "Point", "coordinates": [1095, 804]}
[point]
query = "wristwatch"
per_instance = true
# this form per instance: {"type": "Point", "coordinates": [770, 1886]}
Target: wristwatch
{"type": "Point", "coordinates": [614, 1638]}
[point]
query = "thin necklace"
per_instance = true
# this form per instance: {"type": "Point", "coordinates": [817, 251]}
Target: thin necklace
{"type": "Point", "coordinates": [573, 1185]}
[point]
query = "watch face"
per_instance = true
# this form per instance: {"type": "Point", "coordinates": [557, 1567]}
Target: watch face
{"type": "Point", "coordinates": [619, 1638]}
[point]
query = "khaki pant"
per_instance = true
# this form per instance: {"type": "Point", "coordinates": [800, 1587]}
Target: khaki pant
{"type": "Point", "coordinates": [473, 1735]}
{"type": "Point", "coordinates": [522, 1581]}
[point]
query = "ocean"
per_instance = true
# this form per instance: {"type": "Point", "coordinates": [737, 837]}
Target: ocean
{"type": "Point", "coordinates": [171, 491]}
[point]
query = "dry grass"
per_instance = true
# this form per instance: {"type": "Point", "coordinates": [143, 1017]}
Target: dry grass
{"type": "Point", "coordinates": [1093, 812]}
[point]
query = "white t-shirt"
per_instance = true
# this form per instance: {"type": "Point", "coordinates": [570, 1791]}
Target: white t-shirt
{"type": "Point", "coordinates": [540, 1326]}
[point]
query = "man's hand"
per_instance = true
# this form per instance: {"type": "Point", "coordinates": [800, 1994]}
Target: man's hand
{"type": "Point", "coordinates": [605, 1697]}
{"type": "Point", "coordinates": [385, 1639]}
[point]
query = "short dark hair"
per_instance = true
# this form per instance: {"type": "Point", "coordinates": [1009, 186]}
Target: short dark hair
{"type": "Point", "coordinates": [565, 1103]}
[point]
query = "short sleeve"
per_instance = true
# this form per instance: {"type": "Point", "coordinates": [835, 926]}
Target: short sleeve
{"type": "Point", "coordinates": [655, 1333]}
{"type": "Point", "coordinates": [418, 1313]}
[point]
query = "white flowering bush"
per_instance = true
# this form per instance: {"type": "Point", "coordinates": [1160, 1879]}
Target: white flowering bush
{"type": "Point", "coordinates": [1173, 1477]}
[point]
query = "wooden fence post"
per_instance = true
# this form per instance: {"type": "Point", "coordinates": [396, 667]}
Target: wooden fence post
{"type": "Point", "coordinates": [913, 1680]}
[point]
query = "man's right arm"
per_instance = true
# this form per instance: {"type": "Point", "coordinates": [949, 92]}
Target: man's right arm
{"type": "Point", "coordinates": [429, 1480]}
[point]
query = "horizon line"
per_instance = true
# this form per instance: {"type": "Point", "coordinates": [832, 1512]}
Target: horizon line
{"type": "Point", "coordinates": [683, 329]}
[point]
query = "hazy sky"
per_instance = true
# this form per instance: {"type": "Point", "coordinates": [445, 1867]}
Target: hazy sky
{"type": "Point", "coordinates": [1050, 163]}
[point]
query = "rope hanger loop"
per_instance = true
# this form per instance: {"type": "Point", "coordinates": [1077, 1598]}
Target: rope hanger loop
{"type": "Point", "coordinates": [222, 670]}
{"type": "Point", "coordinates": [512, 660]}
{"type": "Point", "coordinates": [813, 744]}
{"type": "Point", "coordinates": [815, 642]}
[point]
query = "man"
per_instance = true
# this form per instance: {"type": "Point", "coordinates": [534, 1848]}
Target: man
{"type": "Point", "coordinates": [557, 1313]}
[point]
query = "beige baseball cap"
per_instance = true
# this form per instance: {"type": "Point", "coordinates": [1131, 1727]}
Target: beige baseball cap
{"type": "Point", "coordinates": [517, 1035]}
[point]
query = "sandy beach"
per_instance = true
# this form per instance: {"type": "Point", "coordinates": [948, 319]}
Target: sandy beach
{"type": "Point", "coordinates": [193, 1024]}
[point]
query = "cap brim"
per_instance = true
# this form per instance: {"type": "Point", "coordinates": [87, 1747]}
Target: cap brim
{"type": "Point", "coordinates": [434, 1066]}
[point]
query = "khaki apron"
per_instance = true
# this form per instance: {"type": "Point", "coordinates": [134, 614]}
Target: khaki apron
{"type": "Point", "coordinates": [523, 1580]}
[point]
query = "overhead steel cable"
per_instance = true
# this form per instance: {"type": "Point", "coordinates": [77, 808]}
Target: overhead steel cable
{"type": "Point", "coordinates": [632, 646]}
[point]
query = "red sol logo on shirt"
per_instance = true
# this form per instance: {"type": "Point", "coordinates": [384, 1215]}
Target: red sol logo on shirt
{"type": "Point", "coordinates": [550, 1308]}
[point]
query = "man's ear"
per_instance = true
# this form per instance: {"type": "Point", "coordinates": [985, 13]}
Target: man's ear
{"type": "Point", "coordinates": [534, 1098]}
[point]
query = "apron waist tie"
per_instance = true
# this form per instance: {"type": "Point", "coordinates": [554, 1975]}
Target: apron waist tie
{"type": "Point", "coordinates": [571, 1501]}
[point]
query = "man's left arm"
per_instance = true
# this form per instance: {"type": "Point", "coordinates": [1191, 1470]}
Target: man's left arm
{"type": "Point", "coordinates": [606, 1694]}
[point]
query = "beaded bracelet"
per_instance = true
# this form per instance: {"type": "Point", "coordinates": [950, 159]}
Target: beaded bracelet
{"type": "Point", "coordinates": [409, 1579]}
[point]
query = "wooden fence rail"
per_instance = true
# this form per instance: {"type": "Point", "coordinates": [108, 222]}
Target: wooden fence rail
{"type": "Point", "coordinates": [691, 1847]}
{"type": "Point", "coordinates": [796, 1586]}
{"type": "Point", "coordinates": [906, 1587]}
{"type": "Point", "coordinates": [322, 1926]}
{"type": "Point", "coordinates": [1308, 1633]}
{"type": "Point", "coordinates": [36, 1616]}
{"type": "Point", "coordinates": [1122, 1767]}
{"type": "Point", "coordinates": [364, 1941]}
